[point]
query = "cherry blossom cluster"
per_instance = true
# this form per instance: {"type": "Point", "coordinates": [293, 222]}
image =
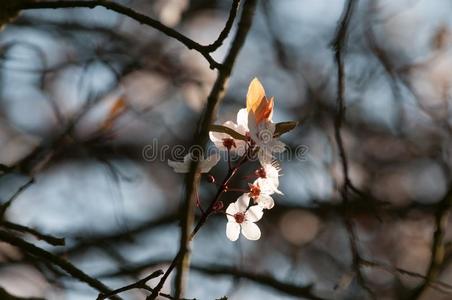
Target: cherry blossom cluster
{"type": "Point", "coordinates": [253, 135]}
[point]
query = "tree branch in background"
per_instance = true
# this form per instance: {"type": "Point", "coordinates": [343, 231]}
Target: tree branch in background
{"type": "Point", "coordinates": [55, 241]}
{"type": "Point", "coordinates": [53, 259]}
{"type": "Point", "coordinates": [338, 44]}
{"type": "Point", "coordinates": [142, 19]}
{"type": "Point", "coordinates": [438, 251]}
{"type": "Point", "coordinates": [4, 206]}
{"type": "Point", "coordinates": [227, 28]}
{"type": "Point", "coordinates": [140, 284]}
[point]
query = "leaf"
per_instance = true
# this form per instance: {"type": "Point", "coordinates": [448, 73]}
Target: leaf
{"type": "Point", "coordinates": [227, 130]}
{"type": "Point", "coordinates": [284, 127]}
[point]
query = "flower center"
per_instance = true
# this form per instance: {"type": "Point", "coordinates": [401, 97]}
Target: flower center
{"type": "Point", "coordinates": [229, 143]}
{"type": "Point", "coordinates": [255, 191]}
{"type": "Point", "coordinates": [261, 173]}
{"type": "Point", "coordinates": [239, 217]}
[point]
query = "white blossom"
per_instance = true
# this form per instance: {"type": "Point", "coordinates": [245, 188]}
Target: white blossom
{"type": "Point", "coordinates": [242, 219]}
{"type": "Point", "coordinates": [268, 178]}
{"type": "Point", "coordinates": [205, 164]}
{"type": "Point", "coordinates": [224, 141]}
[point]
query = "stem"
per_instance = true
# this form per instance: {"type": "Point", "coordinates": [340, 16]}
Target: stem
{"type": "Point", "coordinates": [231, 173]}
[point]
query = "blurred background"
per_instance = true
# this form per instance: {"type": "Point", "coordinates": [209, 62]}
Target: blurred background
{"type": "Point", "coordinates": [83, 92]}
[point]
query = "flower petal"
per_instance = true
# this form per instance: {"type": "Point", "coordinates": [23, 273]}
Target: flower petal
{"type": "Point", "coordinates": [179, 167]}
{"type": "Point", "coordinates": [242, 118]}
{"type": "Point", "coordinates": [243, 202]}
{"type": "Point", "coordinates": [209, 163]}
{"type": "Point", "coordinates": [251, 231]}
{"type": "Point", "coordinates": [231, 211]}
{"type": "Point", "coordinates": [265, 201]}
{"type": "Point", "coordinates": [255, 95]}
{"type": "Point", "coordinates": [232, 231]}
{"type": "Point", "coordinates": [254, 213]}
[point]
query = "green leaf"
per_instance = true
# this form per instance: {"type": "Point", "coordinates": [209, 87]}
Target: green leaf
{"type": "Point", "coordinates": [227, 130]}
{"type": "Point", "coordinates": [284, 127]}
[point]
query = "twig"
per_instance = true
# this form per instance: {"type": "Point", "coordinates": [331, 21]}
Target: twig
{"type": "Point", "coordinates": [438, 253]}
{"type": "Point", "coordinates": [4, 206]}
{"type": "Point", "coordinates": [143, 19]}
{"type": "Point", "coordinates": [227, 28]}
{"type": "Point", "coordinates": [53, 259]}
{"type": "Point", "coordinates": [55, 241]}
{"type": "Point", "coordinates": [218, 270]}
{"type": "Point", "coordinates": [338, 44]}
{"type": "Point", "coordinates": [304, 292]}
{"type": "Point", "coordinates": [140, 284]}
{"type": "Point", "coordinates": [439, 285]}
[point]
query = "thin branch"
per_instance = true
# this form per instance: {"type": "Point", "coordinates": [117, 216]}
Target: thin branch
{"type": "Point", "coordinates": [438, 285]}
{"type": "Point", "coordinates": [338, 44]}
{"type": "Point", "coordinates": [438, 251]}
{"type": "Point", "coordinates": [4, 206]}
{"type": "Point", "coordinates": [140, 284]}
{"type": "Point", "coordinates": [227, 28]}
{"type": "Point", "coordinates": [219, 270]}
{"type": "Point", "coordinates": [53, 259]}
{"type": "Point", "coordinates": [142, 19]}
{"type": "Point", "coordinates": [304, 292]}
{"type": "Point", "coordinates": [55, 241]}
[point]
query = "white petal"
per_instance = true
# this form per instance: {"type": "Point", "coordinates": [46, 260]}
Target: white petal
{"type": "Point", "coordinates": [179, 167]}
{"type": "Point", "coordinates": [251, 231]}
{"type": "Point", "coordinates": [265, 201]}
{"type": "Point", "coordinates": [232, 231]}
{"type": "Point", "coordinates": [209, 163]}
{"type": "Point", "coordinates": [242, 118]}
{"type": "Point", "coordinates": [217, 139]}
{"type": "Point", "coordinates": [277, 146]}
{"type": "Point", "coordinates": [265, 157]}
{"type": "Point", "coordinates": [254, 213]}
{"type": "Point", "coordinates": [243, 202]}
{"type": "Point", "coordinates": [188, 158]}
{"type": "Point", "coordinates": [231, 211]}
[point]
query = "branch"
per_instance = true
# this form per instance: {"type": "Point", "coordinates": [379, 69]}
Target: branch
{"type": "Point", "coordinates": [7, 204]}
{"type": "Point", "coordinates": [438, 252]}
{"type": "Point", "coordinates": [438, 285]}
{"type": "Point", "coordinates": [338, 44]}
{"type": "Point", "coordinates": [227, 28]}
{"type": "Point", "coordinates": [142, 19]}
{"type": "Point", "coordinates": [213, 101]}
{"type": "Point", "coordinates": [41, 236]}
{"type": "Point", "coordinates": [140, 284]}
{"type": "Point", "coordinates": [219, 270]}
{"type": "Point", "coordinates": [304, 292]}
{"type": "Point", "coordinates": [53, 259]}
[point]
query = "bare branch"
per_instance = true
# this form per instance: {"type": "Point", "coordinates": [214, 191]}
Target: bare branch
{"type": "Point", "coordinates": [438, 253]}
{"type": "Point", "coordinates": [55, 241]}
{"type": "Point", "coordinates": [53, 259]}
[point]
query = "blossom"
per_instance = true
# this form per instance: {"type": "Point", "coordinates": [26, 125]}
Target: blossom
{"type": "Point", "coordinates": [260, 195]}
{"type": "Point", "coordinates": [260, 124]}
{"type": "Point", "coordinates": [268, 177]}
{"type": "Point", "coordinates": [242, 219]}
{"type": "Point", "coordinates": [224, 141]}
{"type": "Point", "coordinates": [205, 164]}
